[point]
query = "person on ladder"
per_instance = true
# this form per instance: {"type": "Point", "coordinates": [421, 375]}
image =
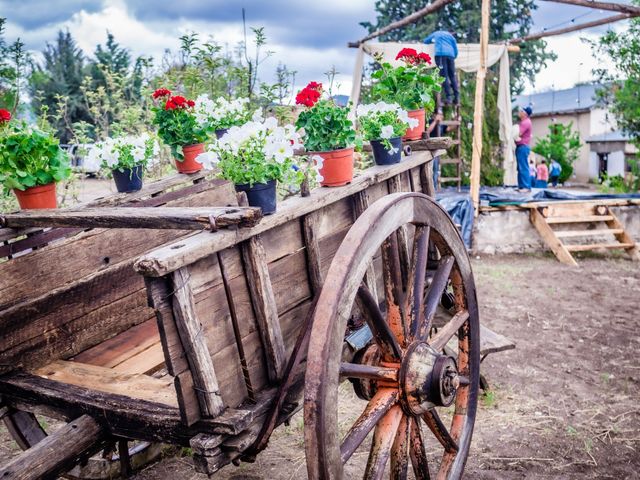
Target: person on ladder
{"type": "Point", "coordinates": [446, 52]}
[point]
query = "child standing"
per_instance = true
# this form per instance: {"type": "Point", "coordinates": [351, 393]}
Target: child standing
{"type": "Point", "coordinates": [532, 171]}
{"type": "Point", "coordinates": [555, 169]}
{"type": "Point", "coordinates": [543, 174]}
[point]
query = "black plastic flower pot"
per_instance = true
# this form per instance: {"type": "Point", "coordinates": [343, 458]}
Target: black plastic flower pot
{"type": "Point", "coordinates": [382, 156]}
{"type": "Point", "coordinates": [128, 180]}
{"type": "Point", "coordinates": [261, 195]}
{"type": "Point", "coordinates": [220, 132]}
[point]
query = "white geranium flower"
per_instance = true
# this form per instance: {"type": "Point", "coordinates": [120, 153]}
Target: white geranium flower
{"type": "Point", "coordinates": [386, 131]}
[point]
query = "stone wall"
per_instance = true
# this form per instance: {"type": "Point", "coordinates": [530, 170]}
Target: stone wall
{"type": "Point", "coordinates": [510, 231]}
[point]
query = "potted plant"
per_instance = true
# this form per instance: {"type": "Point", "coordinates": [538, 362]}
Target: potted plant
{"type": "Point", "coordinates": [178, 127]}
{"type": "Point", "coordinates": [383, 124]}
{"type": "Point", "coordinates": [255, 156]}
{"type": "Point", "coordinates": [31, 162]}
{"type": "Point", "coordinates": [412, 85]}
{"type": "Point", "coordinates": [221, 114]}
{"type": "Point", "coordinates": [328, 133]}
{"type": "Point", "coordinates": [126, 157]}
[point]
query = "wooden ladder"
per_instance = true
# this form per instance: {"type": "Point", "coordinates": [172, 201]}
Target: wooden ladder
{"type": "Point", "coordinates": [453, 126]}
{"type": "Point", "coordinates": [594, 219]}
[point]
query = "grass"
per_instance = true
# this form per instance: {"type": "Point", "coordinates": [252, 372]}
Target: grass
{"type": "Point", "coordinates": [489, 399]}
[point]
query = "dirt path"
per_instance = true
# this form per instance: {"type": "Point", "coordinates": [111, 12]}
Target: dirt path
{"type": "Point", "coordinates": [563, 405]}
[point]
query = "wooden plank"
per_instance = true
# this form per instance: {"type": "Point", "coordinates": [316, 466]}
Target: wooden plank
{"type": "Point", "coordinates": [57, 453]}
{"type": "Point", "coordinates": [560, 251]}
{"type": "Point", "coordinates": [492, 342]}
{"type": "Point", "coordinates": [146, 361]}
{"type": "Point", "coordinates": [360, 204]}
{"type": "Point", "coordinates": [194, 345]}
{"type": "Point", "coordinates": [312, 248]}
{"type": "Point", "coordinates": [188, 403]}
{"type": "Point", "coordinates": [191, 249]}
{"type": "Point", "coordinates": [587, 233]}
{"type": "Point", "coordinates": [91, 377]}
{"type": "Point", "coordinates": [172, 218]}
{"type": "Point", "coordinates": [623, 237]}
{"type": "Point", "coordinates": [123, 346]}
{"type": "Point", "coordinates": [596, 246]}
{"type": "Point", "coordinates": [60, 264]}
{"type": "Point", "coordinates": [264, 305]}
{"type": "Point", "coordinates": [159, 297]}
{"type": "Point", "coordinates": [579, 219]}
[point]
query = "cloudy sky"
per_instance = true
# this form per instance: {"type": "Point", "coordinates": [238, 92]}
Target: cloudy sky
{"type": "Point", "coordinates": [308, 37]}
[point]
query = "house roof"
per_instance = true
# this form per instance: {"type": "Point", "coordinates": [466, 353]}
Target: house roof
{"type": "Point", "coordinates": [616, 136]}
{"type": "Point", "coordinates": [577, 99]}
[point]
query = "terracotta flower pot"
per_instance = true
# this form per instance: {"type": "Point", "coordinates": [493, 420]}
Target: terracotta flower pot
{"type": "Point", "coordinates": [337, 167]}
{"type": "Point", "coordinates": [42, 196]}
{"type": "Point", "coordinates": [416, 132]}
{"type": "Point", "coordinates": [189, 164]}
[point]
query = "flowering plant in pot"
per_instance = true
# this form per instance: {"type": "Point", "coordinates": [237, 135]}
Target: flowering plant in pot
{"type": "Point", "coordinates": [412, 85]}
{"type": "Point", "coordinates": [383, 124]}
{"type": "Point", "coordinates": [328, 134]}
{"type": "Point", "coordinates": [179, 128]}
{"type": "Point", "coordinates": [255, 156]}
{"type": "Point", "coordinates": [126, 157]}
{"type": "Point", "coordinates": [221, 114]}
{"type": "Point", "coordinates": [31, 162]}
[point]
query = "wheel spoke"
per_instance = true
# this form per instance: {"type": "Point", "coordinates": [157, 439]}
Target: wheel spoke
{"type": "Point", "coordinates": [415, 289]}
{"type": "Point", "coordinates": [383, 438]}
{"type": "Point", "coordinates": [417, 452]}
{"type": "Point", "coordinates": [394, 296]}
{"type": "Point", "coordinates": [356, 370]}
{"type": "Point", "coordinates": [432, 419]}
{"type": "Point", "coordinates": [377, 407]}
{"type": "Point", "coordinates": [400, 451]}
{"type": "Point", "coordinates": [437, 288]}
{"type": "Point", "coordinates": [377, 323]}
{"type": "Point", "coordinates": [440, 339]}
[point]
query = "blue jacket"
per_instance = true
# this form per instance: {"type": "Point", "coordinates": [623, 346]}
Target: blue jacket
{"type": "Point", "coordinates": [445, 43]}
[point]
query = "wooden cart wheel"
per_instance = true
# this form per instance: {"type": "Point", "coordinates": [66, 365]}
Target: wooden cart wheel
{"type": "Point", "coordinates": [404, 374]}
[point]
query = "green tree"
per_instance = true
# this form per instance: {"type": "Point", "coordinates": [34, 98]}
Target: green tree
{"type": "Point", "coordinates": [622, 91]}
{"type": "Point", "coordinates": [55, 85]}
{"type": "Point", "coordinates": [13, 62]}
{"type": "Point", "coordinates": [509, 19]}
{"type": "Point", "coordinates": [561, 144]}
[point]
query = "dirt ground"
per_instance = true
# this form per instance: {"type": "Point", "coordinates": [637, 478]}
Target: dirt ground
{"type": "Point", "coordinates": [563, 405]}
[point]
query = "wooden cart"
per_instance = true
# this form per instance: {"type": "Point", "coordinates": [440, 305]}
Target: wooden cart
{"type": "Point", "coordinates": [212, 340]}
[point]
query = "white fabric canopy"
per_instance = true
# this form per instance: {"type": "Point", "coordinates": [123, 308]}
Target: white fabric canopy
{"type": "Point", "coordinates": [468, 61]}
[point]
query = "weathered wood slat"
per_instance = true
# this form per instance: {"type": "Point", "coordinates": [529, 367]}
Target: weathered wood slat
{"type": "Point", "coordinates": [107, 380]}
{"type": "Point", "coordinates": [189, 250]}
{"type": "Point", "coordinates": [360, 204]}
{"type": "Point", "coordinates": [58, 452]}
{"type": "Point", "coordinates": [264, 305]}
{"type": "Point", "coordinates": [195, 346]}
{"type": "Point", "coordinates": [431, 144]}
{"type": "Point", "coordinates": [171, 218]}
{"type": "Point", "coordinates": [314, 264]}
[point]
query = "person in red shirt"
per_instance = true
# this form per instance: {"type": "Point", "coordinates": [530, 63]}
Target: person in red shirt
{"type": "Point", "coordinates": [523, 149]}
{"type": "Point", "coordinates": [543, 175]}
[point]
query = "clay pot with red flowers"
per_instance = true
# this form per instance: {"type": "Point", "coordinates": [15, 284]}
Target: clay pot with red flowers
{"type": "Point", "coordinates": [413, 85]}
{"type": "Point", "coordinates": [329, 135]}
{"type": "Point", "coordinates": [31, 162]}
{"type": "Point", "coordinates": [179, 128]}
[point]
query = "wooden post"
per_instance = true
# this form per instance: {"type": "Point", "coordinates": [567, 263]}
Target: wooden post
{"type": "Point", "coordinates": [478, 110]}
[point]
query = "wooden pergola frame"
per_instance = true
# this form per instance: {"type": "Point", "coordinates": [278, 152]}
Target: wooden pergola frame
{"type": "Point", "coordinates": [625, 12]}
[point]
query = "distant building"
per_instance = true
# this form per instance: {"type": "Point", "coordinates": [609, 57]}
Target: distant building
{"type": "Point", "coordinates": [604, 147]}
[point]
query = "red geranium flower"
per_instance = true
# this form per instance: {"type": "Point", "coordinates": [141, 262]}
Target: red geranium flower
{"type": "Point", "coordinates": [191, 103]}
{"type": "Point", "coordinates": [179, 100]}
{"type": "Point", "coordinates": [5, 115]}
{"type": "Point", "coordinates": [425, 57]}
{"type": "Point", "coordinates": [161, 92]}
{"type": "Point", "coordinates": [170, 105]}
{"type": "Point", "coordinates": [407, 54]}
{"type": "Point", "coordinates": [308, 96]}
{"type": "Point", "coordinates": [315, 85]}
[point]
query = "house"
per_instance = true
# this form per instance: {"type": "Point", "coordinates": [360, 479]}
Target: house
{"type": "Point", "coordinates": [604, 147]}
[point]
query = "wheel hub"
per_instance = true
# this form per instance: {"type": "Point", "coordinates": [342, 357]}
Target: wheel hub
{"type": "Point", "coordinates": [427, 379]}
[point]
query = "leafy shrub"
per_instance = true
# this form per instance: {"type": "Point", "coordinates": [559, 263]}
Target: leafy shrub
{"type": "Point", "coordinates": [561, 144]}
